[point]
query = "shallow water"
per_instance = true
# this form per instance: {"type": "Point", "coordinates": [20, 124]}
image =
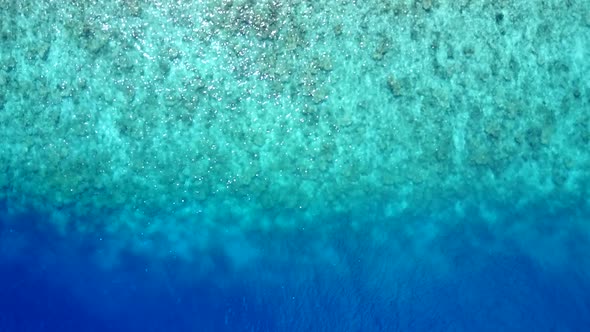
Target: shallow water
{"type": "Point", "coordinates": [294, 166]}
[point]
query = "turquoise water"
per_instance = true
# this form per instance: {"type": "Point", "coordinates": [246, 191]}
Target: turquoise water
{"type": "Point", "coordinates": [331, 165]}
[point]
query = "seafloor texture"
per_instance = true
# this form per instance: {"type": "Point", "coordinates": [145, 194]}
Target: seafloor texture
{"type": "Point", "coordinates": [438, 140]}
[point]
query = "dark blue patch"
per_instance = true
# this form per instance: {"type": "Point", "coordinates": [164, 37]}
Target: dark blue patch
{"type": "Point", "coordinates": [48, 283]}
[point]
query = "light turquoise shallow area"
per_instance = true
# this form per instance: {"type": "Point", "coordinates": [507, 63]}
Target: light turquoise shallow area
{"type": "Point", "coordinates": [187, 124]}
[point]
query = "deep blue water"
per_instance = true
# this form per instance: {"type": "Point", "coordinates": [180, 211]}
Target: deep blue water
{"type": "Point", "coordinates": [52, 283]}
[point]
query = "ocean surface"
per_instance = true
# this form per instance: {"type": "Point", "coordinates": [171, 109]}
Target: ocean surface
{"type": "Point", "coordinates": [294, 165]}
